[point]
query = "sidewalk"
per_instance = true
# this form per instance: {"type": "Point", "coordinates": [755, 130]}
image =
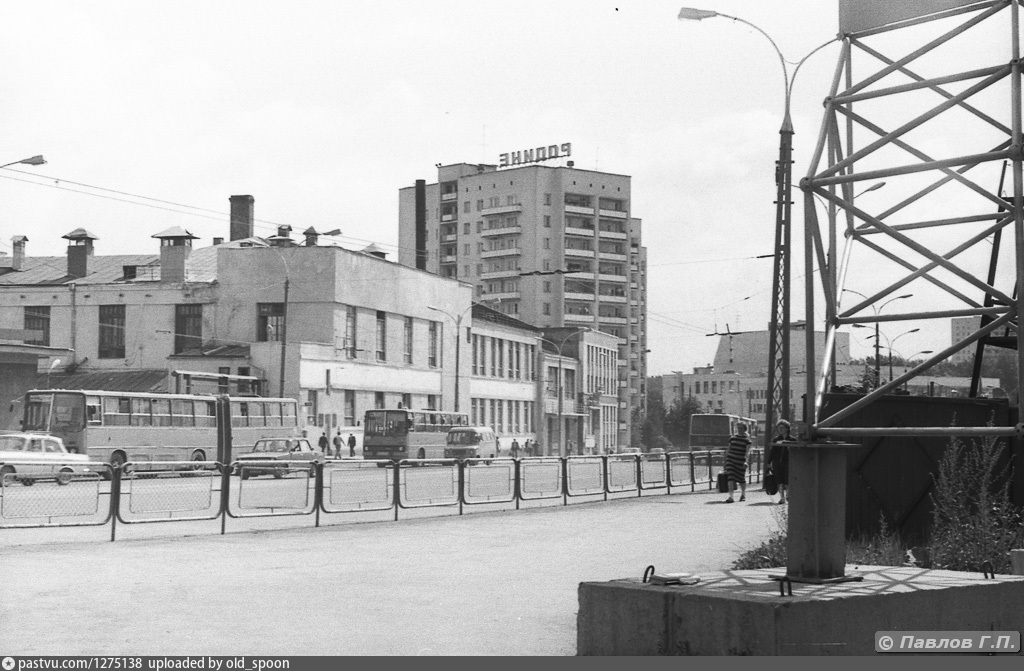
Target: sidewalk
{"type": "Point", "coordinates": [487, 583]}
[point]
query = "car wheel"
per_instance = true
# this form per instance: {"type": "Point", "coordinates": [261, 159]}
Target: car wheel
{"type": "Point", "coordinates": [65, 475]}
{"type": "Point", "coordinates": [28, 482]}
{"type": "Point", "coordinates": [245, 473]}
{"type": "Point", "coordinates": [278, 475]}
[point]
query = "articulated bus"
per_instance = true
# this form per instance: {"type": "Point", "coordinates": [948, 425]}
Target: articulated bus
{"type": "Point", "coordinates": [712, 432]}
{"type": "Point", "coordinates": [117, 426]}
{"type": "Point", "coordinates": [408, 434]}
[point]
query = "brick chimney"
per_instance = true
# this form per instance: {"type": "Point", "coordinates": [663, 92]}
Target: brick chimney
{"type": "Point", "coordinates": [242, 220]}
{"type": "Point", "coordinates": [18, 261]}
{"type": "Point", "coordinates": [79, 250]}
{"type": "Point", "coordinates": [311, 236]}
{"type": "Point", "coordinates": [175, 246]}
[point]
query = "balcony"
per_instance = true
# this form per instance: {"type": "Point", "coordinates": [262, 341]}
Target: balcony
{"type": "Point", "coordinates": [578, 319]}
{"type": "Point", "coordinates": [579, 296]}
{"type": "Point", "coordinates": [499, 275]}
{"type": "Point", "coordinates": [501, 209]}
{"type": "Point", "coordinates": [580, 253]}
{"type": "Point", "coordinates": [607, 298]}
{"type": "Point", "coordinates": [448, 217]}
{"type": "Point", "coordinates": [449, 259]}
{"type": "Point", "coordinates": [576, 209]}
{"type": "Point", "coordinates": [614, 235]}
{"type": "Point", "coordinates": [611, 320]}
{"type": "Point", "coordinates": [613, 214]}
{"type": "Point", "coordinates": [491, 253]}
{"type": "Point", "coordinates": [451, 237]}
{"type": "Point", "coordinates": [499, 296]}
{"type": "Point", "coordinates": [586, 232]}
{"type": "Point", "coordinates": [452, 195]}
{"type": "Point", "coordinates": [611, 256]}
{"type": "Point", "coordinates": [508, 230]}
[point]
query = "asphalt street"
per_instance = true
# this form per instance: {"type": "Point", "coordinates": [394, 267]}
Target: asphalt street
{"type": "Point", "coordinates": [493, 582]}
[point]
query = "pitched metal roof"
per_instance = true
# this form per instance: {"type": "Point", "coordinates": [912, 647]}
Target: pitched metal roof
{"type": "Point", "coordinates": [114, 380]}
{"type": "Point", "coordinates": [214, 350]}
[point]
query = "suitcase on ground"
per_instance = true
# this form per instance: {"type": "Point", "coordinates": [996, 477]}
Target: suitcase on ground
{"type": "Point", "coordinates": [723, 482]}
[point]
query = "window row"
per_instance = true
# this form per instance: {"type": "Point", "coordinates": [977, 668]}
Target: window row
{"type": "Point", "coordinates": [502, 415]}
{"type": "Point", "coordinates": [497, 357]}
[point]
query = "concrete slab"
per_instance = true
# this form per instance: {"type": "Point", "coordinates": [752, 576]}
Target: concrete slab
{"type": "Point", "coordinates": [743, 613]}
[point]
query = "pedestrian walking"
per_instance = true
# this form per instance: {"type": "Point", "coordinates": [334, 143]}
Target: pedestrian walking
{"type": "Point", "coordinates": [351, 445]}
{"type": "Point", "coordinates": [515, 448]}
{"type": "Point", "coordinates": [497, 447]}
{"type": "Point", "coordinates": [528, 448]}
{"type": "Point", "coordinates": [736, 462]}
{"type": "Point", "coordinates": [324, 444]}
{"type": "Point", "coordinates": [778, 457]}
{"type": "Point", "coordinates": [337, 445]}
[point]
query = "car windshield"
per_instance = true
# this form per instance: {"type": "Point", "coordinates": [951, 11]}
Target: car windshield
{"type": "Point", "coordinates": [282, 445]}
{"type": "Point", "coordinates": [463, 438]}
{"type": "Point", "coordinates": [12, 444]}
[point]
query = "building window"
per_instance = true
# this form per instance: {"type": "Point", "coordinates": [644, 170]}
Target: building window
{"type": "Point", "coordinates": [547, 221]}
{"type": "Point", "coordinates": [112, 331]}
{"type": "Point", "coordinates": [378, 400]}
{"type": "Point", "coordinates": [432, 346]}
{"type": "Point", "coordinates": [37, 318]}
{"type": "Point", "coordinates": [382, 336]}
{"type": "Point", "coordinates": [349, 344]}
{"type": "Point", "coordinates": [547, 198]}
{"type": "Point", "coordinates": [269, 321]}
{"type": "Point", "coordinates": [349, 409]}
{"type": "Point", "coordinates": [408, 339]}
{"type": "Point", "coordinates": [406, 400]}
{"type": "Point", "coordinates": [547, 287]}
{"type": "Point", "coordinates": [479, 205]}
{"type": "Point", "coordinates": [431, 402]}
{"type": "Point", "coordinates": [311, 406]}
{"type": "Point", "coordinates": [547, 308]}
{"type": "Point", "coordinates": [188, 327]}
{"type": "Point", "coordinates": [547, 243]}
{"type": "Point", "coordinates": [466, 206]}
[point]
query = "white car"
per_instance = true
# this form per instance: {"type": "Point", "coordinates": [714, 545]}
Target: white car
{"type": "Point", "coordinates": [28, 457]}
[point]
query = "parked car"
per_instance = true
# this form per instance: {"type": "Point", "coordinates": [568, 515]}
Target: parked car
{"type": "Point", "coordinates": [28, 457]}
{"type": "Point", "coordinates": [261, 460]}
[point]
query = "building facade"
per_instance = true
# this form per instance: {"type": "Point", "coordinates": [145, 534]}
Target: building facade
{"type": "Point", "coordinates": [551, 246]}
{"type": "Point", "coordinates": [961, 328]}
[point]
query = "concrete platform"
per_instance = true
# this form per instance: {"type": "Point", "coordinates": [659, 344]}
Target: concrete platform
{"type": "Point", "coordinates": [742, 612]}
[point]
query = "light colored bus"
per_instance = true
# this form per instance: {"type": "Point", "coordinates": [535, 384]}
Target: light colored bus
{"type": "Point", "coordinates": [117, 427]}
{"type": "Point", "coordinates": [712, 432]}
{"type": "Point", "coordinates": [408, 434]}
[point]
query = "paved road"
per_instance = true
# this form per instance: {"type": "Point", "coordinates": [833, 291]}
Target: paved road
{"type": "Point", "coordinates": [488, 583]}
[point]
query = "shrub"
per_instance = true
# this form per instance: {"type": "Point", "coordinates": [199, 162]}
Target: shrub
{"type": "Point", "coordinates": [885, 548]}
{"type": "Point", "coordinates": [973, 519]}
{"type": "Point", "coordinates": [772, 552]}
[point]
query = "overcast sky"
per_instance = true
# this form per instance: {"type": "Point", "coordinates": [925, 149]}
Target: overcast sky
{"type": "Point", "coordinates": [323, 110]}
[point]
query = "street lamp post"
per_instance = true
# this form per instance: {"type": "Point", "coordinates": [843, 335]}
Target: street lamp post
{"type": "Point", "coordinates": [558, 386]}
{"type": "Point", "coordinates": [877, 311]}
{"type": "Point", "coordinates": [458, 342]}
{"type": "Point", "coordinates": [778, 350]}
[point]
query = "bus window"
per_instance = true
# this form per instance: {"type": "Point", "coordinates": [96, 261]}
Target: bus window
{"type": "Point", "coordinates": [37, 412]}
{"type": "Point", "coordinates": [68, 413]}
{"type": "Point", "coordinates": [115, 411]}
{"type": "Point", "coordinates": [161, 412]}
{"type": "Point", "coordinates": [181, 413]}
{"type": "Point", "coordinates": [93, 411]}
{"type": "Point", "coordinates": [141, 412]}
{"type": "Point", "coordinates": [256, 414]}
{"type": "Point", "coordinates": [273, 411]}
{"type": "Point", "coordinates": [206, 413]}
{"type": "Point", "coordinates": [239, 413]}
{"type": "Point", "coordinates": [288, 417]}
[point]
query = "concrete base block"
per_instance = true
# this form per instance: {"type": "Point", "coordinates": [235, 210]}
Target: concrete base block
{"type": "Point", "coordinates": [742, 612]}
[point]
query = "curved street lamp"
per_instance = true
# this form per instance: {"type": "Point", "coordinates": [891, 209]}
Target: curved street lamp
{"type": "Point", "coordinates": [778, 346]}
{"type": "Point", "coordinates": [458, 342]}
{"type": "Point", "coordinates": [32, 160]}
{"type": "Point", "coordinates": [558, 387]}
{"type": "Point", "coordinates": [878, 310]}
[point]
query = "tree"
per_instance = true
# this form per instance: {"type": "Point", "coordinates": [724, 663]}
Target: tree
{"type": "Point", "coordinates": [677, 421]}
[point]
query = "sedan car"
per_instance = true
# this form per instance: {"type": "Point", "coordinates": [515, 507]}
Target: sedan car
{"type": "Point", "coordinates": [268, 455]}
{"type": "Point", "coordinates": [28, 457]}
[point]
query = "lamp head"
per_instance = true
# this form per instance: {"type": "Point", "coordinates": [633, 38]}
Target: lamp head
{"type": "Point", "coordinates": [691, 14]}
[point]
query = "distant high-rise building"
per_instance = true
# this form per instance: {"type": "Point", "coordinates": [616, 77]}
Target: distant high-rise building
{"type": "Point", "coordinates": [549, 245]}
{"type": "Point", "coordinates": [959, 329]}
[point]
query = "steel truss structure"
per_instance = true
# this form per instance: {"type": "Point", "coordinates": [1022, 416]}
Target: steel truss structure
{"type": "Point", "coordinates": [944, 233]}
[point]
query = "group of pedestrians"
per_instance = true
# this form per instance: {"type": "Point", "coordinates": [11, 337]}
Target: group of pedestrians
{"type": "Point", "coordinates": [325, 444]}
{"type": "Point", "coordinates": [777, 462]}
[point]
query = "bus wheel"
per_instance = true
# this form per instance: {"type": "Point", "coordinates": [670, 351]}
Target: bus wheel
{"type": "Point", "coordinates": [197, 458]}
{"type": "Point", "coordinates": [28, 482]}
{"type": "Point", "coordinates": [4, 473]}
{"type": "Point", "coordinates": [65, 475]}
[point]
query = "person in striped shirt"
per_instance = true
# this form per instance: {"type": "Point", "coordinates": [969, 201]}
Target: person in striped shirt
{"type": "Point", "coordinates": [736, 462]}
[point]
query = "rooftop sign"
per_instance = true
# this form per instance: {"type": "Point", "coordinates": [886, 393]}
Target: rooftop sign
{"type": "Point", "coordinates": [535, 155]}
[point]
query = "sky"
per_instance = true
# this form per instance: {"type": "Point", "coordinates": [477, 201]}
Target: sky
{"type": "Point", "coordinates": [151, 115]}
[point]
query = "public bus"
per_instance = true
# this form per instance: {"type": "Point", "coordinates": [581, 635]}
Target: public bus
{"type": "Point", "coordinates": [408, 434]}
{"type": "Point", "coordinates": [712, 432]}
{"type": "Point", "coordinates": [118, 427]}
